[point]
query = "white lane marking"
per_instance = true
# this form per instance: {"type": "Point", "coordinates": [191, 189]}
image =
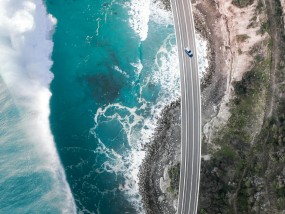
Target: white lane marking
{"type": "Point", "coordinates": [198, 99]}
{"type": "Point", "coordinates": [183, 65]}
{"type": "Point", "coordinates": [194, 134]}
{"type": "Point", "coordinates": [191, 121]}
{"type": "Point", "coordinates": [191, 172]}
{"type": "Point", "coordinates": [181, 185]}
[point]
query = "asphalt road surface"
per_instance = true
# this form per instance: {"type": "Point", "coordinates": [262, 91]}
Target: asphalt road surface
{"type": "Point", "coordinates": [190, 108]}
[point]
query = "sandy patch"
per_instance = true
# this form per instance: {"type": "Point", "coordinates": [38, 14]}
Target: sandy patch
{"type": "Point", "coordinates": [235, 31]}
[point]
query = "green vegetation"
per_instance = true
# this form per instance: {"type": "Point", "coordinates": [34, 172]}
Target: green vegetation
{"type": "Point", "coordinates": [174, 175]}
{"type": "Point", "coordinates": [278, 9]}
{"type": "Point", "coordinates": [252, 23]}
{"type": "Point", "coordinates": [225, 174]}
{"type": "Point", "coordinates": [259, 6]}
{"type": "Point", "coordinates": [246, 106]}
{"type": "Point", "coordinates": [265, 27]}
{"type": "Point", "coordinates": [239, 51]}
{"type": "Point", "coordinates": [247, 173]}
{"type": "Point", "coordinates": [268, 160]}
{"type": "Point", "coordinates": [242, 37]}
{"type": "Point", "coordinates": [227, 153]}
{"type": "Point", "coordinates": [202, 211]}
{"type": "Point", "coordinates": [242, 3]}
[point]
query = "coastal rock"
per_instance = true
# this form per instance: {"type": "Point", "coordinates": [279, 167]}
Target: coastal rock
{"type": "Point", "coordinates": [158, 190]}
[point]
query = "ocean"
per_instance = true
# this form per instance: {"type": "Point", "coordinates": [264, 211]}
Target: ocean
{"type": "Point", "coordinates": [82, 84]}
{"type": "Point", "coordinates": [32, 179]}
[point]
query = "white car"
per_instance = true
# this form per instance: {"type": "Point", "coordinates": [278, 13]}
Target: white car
{"type": "Point", "coordinates": [188, 52]}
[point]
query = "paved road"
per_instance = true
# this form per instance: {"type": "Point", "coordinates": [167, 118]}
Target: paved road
{"type": "Point", "coordinates": [190, 108]}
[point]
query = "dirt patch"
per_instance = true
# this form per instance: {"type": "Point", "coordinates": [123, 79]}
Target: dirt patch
{"type": "Point", "coordinates": [235, 31]}
{"type": "Point", "coordinates": [234, 101]}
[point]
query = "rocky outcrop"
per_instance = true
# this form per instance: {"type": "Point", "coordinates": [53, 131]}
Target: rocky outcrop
{"type": "Point", "coordinates": [158, 173]}
{"type": "Point", "coordinates": [242, 169]}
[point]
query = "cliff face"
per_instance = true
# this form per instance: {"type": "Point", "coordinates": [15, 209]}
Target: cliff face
{"type": "Point", "coordinates": [243, 110]}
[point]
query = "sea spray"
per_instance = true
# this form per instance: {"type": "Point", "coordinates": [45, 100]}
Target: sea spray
{"type": "Point", "coordinates": [139, 122]}
{"type": "Point", "coordinates": [32, 178]}
{"type": "Point", "coordinates": [139, 12]}
{"type": "Point", "coordinates": [95, 56]}
{"type": "Point", "coordinates": [112, 79]}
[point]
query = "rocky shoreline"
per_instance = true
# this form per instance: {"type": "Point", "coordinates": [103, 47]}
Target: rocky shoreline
{"type": "Point", "coordinates": [240, 143]}
{"type": "Point", "coordinates": [159, 172]}
{"type": "Point", "coordinates": [163, 154]}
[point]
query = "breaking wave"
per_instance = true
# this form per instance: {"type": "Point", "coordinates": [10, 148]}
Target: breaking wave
{"type": "Point", "coordinates": [139, 12]}
{"type": "Point", "coordinates": [32, 178]}
{"type": "Point", "coordinates": [139, 122]}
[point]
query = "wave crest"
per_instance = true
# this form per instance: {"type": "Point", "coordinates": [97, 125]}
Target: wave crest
{"type": "Point", "coordinates": [26, 47]}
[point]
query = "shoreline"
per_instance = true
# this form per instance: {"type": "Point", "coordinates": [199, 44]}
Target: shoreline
{"type": "Point", "coordinates": [203, 30]}
{"type": "Point", "coordinates": [235, 47]}
{"type": "Point", "coordinates": [163, 154]}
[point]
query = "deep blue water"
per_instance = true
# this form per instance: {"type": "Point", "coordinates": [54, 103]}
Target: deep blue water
{"type": "Point", "coordinates": [103, 104]}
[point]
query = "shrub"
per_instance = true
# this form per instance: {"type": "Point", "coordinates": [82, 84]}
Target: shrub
{"type": "Point", "coordinates": [242, 3]}
{"type": "Point", "coordinates": [242, 37]}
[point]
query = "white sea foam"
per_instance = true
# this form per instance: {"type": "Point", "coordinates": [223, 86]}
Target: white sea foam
{"type": "Point", "coordinates": [98, 26]}
{"type": "Point", "coordinates": [139, 12]}
{"type": "Point", "coordinates": [165, 73]}
{"type": "Point", "coordinates": [126, 164]}
{"type": "Point", "coordinates": [121, 71]}
{"type": "Point", "coordinates": [164, 17]}
{"type": "Point", "coordinates": [138, 128]}
{"type": "Point", "coordinates": [159, 15]}
{"type": "Point", "coordinates": [25, 50]}
{"type": "Point", "coordinates": [138, 67]}
{"type": "Point", "coordinates": [202, 48]}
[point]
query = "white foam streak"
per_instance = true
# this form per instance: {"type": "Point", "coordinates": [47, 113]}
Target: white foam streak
{"type": "Point", "coordinates": [139, 12]}
{"type": "Point", "coordinates": [138, 67]}
{"type": "Point", "coordinates": [25, 50]}
{"type": "Point", "coordinates": [138, 128]}
{"type": "Point", "coordinates": [159, 15]}
{"type": "Point", "coordinates": [121, 71]}
{"type": "Point", "coordinates": [128, 121]}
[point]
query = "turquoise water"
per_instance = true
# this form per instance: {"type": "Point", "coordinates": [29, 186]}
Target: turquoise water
{"type": "Point", "coordinates": [25, 179]}
{"type": "Point", "coordinates": [80, 95]}
{"type": "Point", "coordinates": [32, 179]}
{"type": "Point", "coordinates": [108, 89]}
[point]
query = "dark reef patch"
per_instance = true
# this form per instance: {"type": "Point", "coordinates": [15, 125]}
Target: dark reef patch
{"type": "Point", "coordinates": [104, 87]}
